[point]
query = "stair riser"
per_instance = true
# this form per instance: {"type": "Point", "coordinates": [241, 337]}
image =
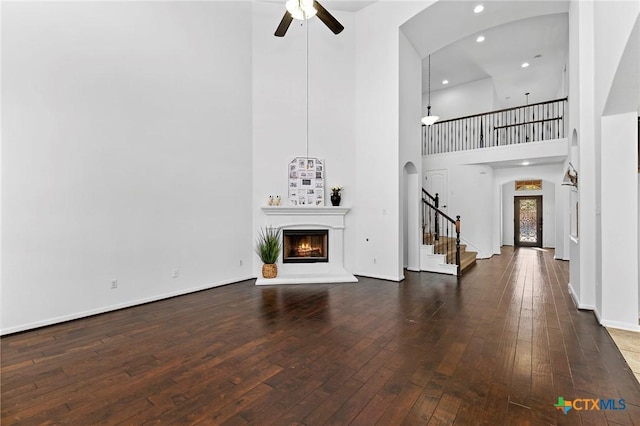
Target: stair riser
{"type": "Point", "coordinates": [467, 259]}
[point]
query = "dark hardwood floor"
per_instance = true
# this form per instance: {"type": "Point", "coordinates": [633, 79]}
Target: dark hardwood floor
{"type": "Point", "coordinates": [498, 347]}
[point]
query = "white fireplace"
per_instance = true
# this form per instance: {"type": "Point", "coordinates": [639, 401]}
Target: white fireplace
{"type": "Point", "coordinates": [311, 218]}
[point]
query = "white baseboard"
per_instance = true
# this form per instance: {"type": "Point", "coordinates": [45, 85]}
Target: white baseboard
{"type": "Point", "coordinates": [621, 325]}
{"type": "Point", "coordinates": [335, 278]}
{"type": "Point", "coordinates": [91, 312]}
{"type": "Point", "coordinates": [598, 316]}
{"type": "Point", "coordinates": [576, 302]}
{"type": "Point", "coordinates": [380, 277]}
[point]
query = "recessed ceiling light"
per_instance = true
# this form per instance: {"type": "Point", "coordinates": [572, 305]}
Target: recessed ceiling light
{"type": "Point", "coordinates": [445, 81]}
{"type": "Point", "coordinates": [525, 163]}
{"type": "Point", "coordinates": [480, 39]}
{"type": "Point", "coordinates": [525, 64]}
{"type": "Point", "coordinates": [479, 8]}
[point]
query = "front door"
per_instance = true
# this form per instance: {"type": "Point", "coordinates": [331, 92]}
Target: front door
{"type": "Point", "coordinates": [528, 221]}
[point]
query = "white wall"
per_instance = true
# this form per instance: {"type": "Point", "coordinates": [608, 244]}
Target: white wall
{"type": "Point", "coordinates": [279, 109]}
{"type": "Point", "coordinates": [471, 198]}
{"type": "Point", "coordinates": [619, 299]}
{"type": "Point", "coordinates": [609, 47]}
{"type": "Point", "coordinates": [597, 50]}
{"type": "Point", "coordinates": [581, 120]}
{"type": "Point", "coordinates": [377, 108]}
{"type": "Point", "coordinates": [471, 98]}
{"type": "Point", "coordinates": [469, 195]}
{"type": "Point", "coordinates": [410, 139]}
{"type": "Point", "coordinates": [125, 129]}
{"type": "Point", "coordinates": [610, 43]}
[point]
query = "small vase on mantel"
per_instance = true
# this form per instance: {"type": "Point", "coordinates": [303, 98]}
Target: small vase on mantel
{"type": "Point", "coordinates": [335, 195]}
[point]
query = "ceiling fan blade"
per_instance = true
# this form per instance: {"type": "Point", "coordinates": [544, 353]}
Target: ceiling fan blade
{"type": "Point", "coordinates": [328, 18]}
{"type": "Point", "coordinates": [284, 25]}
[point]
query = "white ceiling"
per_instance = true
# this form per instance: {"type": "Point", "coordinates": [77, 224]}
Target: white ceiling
{"type": "Point", "coordinates": [341, 5]}
{"type": "Point", "coordinates": [500, 57]}
{"type": "Point", "coordinates": [536, 161]}
{"type": "Point", "coordinates": [345, 6]}
{"type": "Point", "coordinates": [515, 31]}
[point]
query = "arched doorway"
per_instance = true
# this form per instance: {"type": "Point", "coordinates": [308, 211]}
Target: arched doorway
{"type": "Point", "coordinates": [410, 217]}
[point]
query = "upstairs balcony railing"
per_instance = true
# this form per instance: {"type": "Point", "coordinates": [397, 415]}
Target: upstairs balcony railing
{"type": "Point", "coordinates": [530, 123]}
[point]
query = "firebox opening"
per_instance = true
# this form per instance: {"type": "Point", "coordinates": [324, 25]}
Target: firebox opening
{"type": "Point", "coordinates": [305, 245]}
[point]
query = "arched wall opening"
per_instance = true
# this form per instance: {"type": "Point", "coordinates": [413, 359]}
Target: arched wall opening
{"type": "Point", "coordinates": [410, 227]}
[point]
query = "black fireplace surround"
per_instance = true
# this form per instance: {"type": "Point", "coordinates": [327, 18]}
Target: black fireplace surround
{"type": "Point", "coordinates": [305, 245]}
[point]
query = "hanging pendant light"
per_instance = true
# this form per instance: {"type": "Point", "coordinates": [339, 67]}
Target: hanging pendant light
{"type": "Point", "coordinates": [429, 119]}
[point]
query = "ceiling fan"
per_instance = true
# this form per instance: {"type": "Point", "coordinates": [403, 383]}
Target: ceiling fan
{"type": "Point", "coordinates": [305, 9]}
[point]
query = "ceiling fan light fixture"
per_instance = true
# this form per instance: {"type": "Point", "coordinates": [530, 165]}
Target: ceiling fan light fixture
{"type": "Point", "coordinates": [301, 9]}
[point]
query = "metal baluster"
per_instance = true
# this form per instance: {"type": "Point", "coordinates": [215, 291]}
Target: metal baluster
{"type": "Point", "coordinates": [423, 218]}
{"type": "Point", "coordinates": [512, 129]}
{"type": "Point", "coordinates": [458, 244]}
{"type": "Point", "coordinates": [454, 132]}
{"type": "Point", "coordinates": [556, 111]}
{"type": "Point", "coordinates": [561, 122]}
{"type": "Point", "coordinates": [548, 124]}
{"type": "Point", "coordinates": [472, 126]}
{"type": "Point", "coordinates": [492, 124]}
{"type": "Point", "coordinates": [446, 250]}
{"type": "Point", "coordinates": [533, 126]}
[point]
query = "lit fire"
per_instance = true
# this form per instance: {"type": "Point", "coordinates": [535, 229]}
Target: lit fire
{"type": "Point", "coordinates": [306, 248]}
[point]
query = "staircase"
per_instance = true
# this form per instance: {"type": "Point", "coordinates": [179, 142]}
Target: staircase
{"type": "Point", "coordinates": [442, 250]}
{"type": "Point", "coordinates": [446, 246]}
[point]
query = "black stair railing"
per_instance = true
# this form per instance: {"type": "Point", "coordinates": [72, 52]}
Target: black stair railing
{"type": "Point", "coordinates": [528, 123]}
{"type": "Point", "coordinates": [435, 200]}
{"type": "Point", "coordinates": [440, 231]}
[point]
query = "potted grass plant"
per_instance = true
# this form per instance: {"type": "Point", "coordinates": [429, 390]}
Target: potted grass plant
{"type": "Point", "coordinates": [268, 249]}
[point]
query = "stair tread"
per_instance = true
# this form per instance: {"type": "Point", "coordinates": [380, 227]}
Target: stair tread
{"type": "Point", "coordinates": [467, 258]}
{"type": "Point", "coordinates": [468, 261]}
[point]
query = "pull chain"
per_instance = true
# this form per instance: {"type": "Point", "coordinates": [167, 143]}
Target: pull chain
{"type": "Point", "coordinates": [307, 78]}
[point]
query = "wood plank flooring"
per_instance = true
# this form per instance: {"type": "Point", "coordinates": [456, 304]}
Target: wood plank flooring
{"type": "Point", "coordinates": [498, 346]}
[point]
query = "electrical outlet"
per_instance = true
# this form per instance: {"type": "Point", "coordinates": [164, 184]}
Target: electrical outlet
{"type": "Point", "coordinates": [114, 284]}
{"type": "Point", "coordinates": [176, 272]}
{"type": "Point", "coordinates": [240, 262]}
{"type": "Point", "coordinates": [374, 260]}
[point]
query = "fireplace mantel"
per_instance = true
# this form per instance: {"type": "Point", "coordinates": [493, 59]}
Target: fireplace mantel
{"type": "Point", "coordinates": [305, 211]}
{"type": "Point", "coordinates": [311, 217]}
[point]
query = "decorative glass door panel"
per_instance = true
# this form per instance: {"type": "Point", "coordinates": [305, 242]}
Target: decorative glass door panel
{"type": "Point", "coordinates": [528, 221]}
